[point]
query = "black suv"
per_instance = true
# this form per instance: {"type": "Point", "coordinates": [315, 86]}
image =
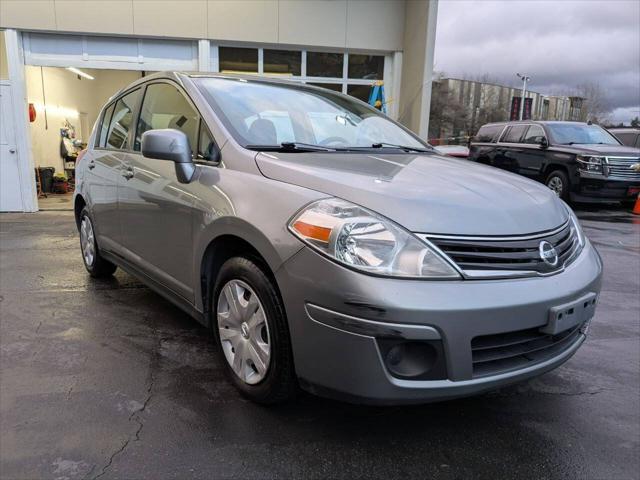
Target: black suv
{"type": "Point", "coordinates": [579, 161]}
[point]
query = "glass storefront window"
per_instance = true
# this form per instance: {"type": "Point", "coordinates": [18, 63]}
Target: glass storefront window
{"type": "Point", "coordinates": [282, 62]}
{"type": "Point", "coordinates": [369, 67]}
{"type": "Point", "coordinates": [236, 59]}
{"type": "Point", "coordinates": [321, 64]}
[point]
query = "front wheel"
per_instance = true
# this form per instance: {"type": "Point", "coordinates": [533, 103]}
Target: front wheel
{"type": "Point", "coordinates": [252, 332]}
{"type": "Point", "coordinates": [558, 181]}
{"type": "Point", "coordinates": [95, 264]}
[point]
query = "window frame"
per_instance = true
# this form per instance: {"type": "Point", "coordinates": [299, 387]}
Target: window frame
{"type": "Point", "coordinates": [191, 103]}
{"type": "Point", "coordinates": [507, 130]}
{"type": "Point", "coordinates": [544, 134]}
{"type": "Point", "coordinates": [135, 112]}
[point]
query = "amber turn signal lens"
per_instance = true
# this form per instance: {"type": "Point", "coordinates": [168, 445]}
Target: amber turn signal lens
{"type": "Point", "coordinates": [314, 232]}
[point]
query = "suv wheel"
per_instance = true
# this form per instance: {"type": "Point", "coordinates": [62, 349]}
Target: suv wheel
{"type": "Point", "coordinates": [252, 332]}
{"type": "Point", "coordinates": [558, 181]}
{"type": "Point", "coordinates": [93, 261]}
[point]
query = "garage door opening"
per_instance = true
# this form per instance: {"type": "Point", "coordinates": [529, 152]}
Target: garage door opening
{"type": "Point", "coordinates": [63, 105]}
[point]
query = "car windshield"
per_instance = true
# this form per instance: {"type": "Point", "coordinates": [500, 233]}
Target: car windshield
{"type": "Point", "coordinates": [260, 114]}
{"type": "Point", "coordinates": [570, 133]}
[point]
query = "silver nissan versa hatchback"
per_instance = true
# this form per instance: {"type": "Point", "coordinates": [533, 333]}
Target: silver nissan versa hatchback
{"type": "Point", "coordinates": [329, 248]}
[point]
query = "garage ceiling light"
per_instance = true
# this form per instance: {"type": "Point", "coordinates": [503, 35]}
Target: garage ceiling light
{"type": "Point", "coordinates": [77, 71]}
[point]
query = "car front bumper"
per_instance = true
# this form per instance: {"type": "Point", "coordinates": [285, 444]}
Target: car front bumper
{"type": "Point", "coordinates": [598, 188]}
{"type": "Point", "coordinates": [338, 317]}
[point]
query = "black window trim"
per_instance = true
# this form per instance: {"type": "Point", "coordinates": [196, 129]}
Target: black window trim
{"type": "Point", "coordinates": [509, 126]}
{"type": "Point", "coordinates": [96, 141]}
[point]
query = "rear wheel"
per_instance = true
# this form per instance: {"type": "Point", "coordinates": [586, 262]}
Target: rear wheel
{"type": "Point", "coordinates": [252, 332]}
{"type": "Point", "coordinates": [95, 264]}
{"type": "Point", "coordinates": [558, 182]}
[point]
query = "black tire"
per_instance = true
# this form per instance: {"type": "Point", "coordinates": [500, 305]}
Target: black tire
{"type": "Point", "coordinates": [98, 267]}
{"type": "Point", "coordinates": [279, 384]}
{"type": "Point", "coordinates": [558, 181]}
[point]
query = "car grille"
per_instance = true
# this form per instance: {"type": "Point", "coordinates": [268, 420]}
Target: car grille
{"type": "Point", "coordinates": [621, 167]}
{"type": "Point", "coordinates": [504, 352]}
{"type": "Point", "coordinates": [482, 257]}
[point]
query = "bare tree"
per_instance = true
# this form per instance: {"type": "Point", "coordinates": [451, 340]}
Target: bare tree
{"type": "Point", "coordinates": [596, 106]}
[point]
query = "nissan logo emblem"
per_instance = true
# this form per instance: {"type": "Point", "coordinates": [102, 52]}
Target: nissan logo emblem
{"type": "Point", "coordinates": [548, 253]}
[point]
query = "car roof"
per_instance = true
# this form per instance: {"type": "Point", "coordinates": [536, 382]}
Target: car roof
{"type": "Point", "coordinates": [177, 76]}
{"type": "Point", "coordinates": [624, 129]}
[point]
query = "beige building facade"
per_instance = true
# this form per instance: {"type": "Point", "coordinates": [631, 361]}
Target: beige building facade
{"type": "Point", "coordinates": [346, 45]}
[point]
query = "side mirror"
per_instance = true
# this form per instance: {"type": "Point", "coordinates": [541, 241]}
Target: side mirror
{"type": "Point", "coordinates": [173, 145]}
{"type": "Point", "coordinates": [544, 143]}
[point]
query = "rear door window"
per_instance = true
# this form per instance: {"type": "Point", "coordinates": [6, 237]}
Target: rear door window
{"type": "Point", "coordinates": [121, 120]}
{"type": "Point", "coordinates": [514, 134]}
{"type": "Point", "coordinates": [104, 126]}
{"type": "Point", "coordinates": [164, 106]}
{"type": "Point", "coordinates": [534, 135]}
{"type": "Point", "coordinates": [488, 133]}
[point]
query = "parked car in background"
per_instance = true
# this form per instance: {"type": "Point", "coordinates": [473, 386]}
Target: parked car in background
{"type": "Point", "coordinates": [458, 151]}
{"type": "Point", "coordinates": [578, 161]}
{"type": "Point", "coordinates": [327, 246]}
{"type": "Point", "coordinates": [628, 136]}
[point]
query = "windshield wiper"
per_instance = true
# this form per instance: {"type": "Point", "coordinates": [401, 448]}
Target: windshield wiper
{"type": "Point", "coordinates": [291, 147]}
{"type": "Point", "coordinates": [406, 148]}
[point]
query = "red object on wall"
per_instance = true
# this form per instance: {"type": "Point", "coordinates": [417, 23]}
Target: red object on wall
{"type": "Point", "coordinates": [32, 113]}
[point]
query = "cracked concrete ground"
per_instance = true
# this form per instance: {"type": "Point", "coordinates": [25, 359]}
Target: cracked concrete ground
{"type": "Point", "coordinates": [106, 379]}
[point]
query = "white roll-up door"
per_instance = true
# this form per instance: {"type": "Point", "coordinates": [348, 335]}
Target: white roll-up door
{"type": "Point", "coordinates": [119, 53]}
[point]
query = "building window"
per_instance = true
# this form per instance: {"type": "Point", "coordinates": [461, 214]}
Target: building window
{"type": "Point", "coordinates": [325, 64]}
{"type": "Point", "coordinates": [282, 62]}
{"type": "Point", "coordinates": [236, 59]}
{"type": "Point", "coordinates": [369, 67]}
{"type": "Point", "coordinates": [361, 92]}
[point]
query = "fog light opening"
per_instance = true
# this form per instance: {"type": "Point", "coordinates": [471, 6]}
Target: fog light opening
{"type": "Point", "coordinates": [411, 359]}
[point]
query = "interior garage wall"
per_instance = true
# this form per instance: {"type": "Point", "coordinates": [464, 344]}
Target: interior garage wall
{"type": "Point", "coordinates": [67, 98]}
{"type": "Point", "coordinates": [4, 69]}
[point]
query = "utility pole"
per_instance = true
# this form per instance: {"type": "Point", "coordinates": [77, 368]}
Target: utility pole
{"type": "Point", "coordinates": [525, 79]}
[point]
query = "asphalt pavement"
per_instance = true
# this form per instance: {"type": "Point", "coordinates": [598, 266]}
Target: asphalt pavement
{"type": "Point", "coordinates": [106, 379]}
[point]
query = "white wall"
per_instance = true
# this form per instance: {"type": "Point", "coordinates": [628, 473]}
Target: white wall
{"type": "Point", "coordinates": [66, 98]}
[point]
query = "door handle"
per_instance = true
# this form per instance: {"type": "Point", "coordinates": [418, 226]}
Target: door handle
{"type": "Point", "coordinates": [12, 150]}
{"type": "Point", "coordinates": [91, 165]}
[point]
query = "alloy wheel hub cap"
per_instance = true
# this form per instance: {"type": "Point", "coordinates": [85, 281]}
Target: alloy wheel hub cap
{"type": "Point", "coordinates": [244, 329]}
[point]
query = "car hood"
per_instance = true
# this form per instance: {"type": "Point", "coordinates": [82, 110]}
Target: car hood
{"type": "Point", "coordinates": [424, 193]}
{"type": "Point", "coordinates": [594, 149]}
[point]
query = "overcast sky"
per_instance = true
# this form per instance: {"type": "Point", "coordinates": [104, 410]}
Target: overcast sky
{"type": "Point", "coordinates": [559, 44]}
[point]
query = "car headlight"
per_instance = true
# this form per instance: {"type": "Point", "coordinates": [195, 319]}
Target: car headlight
{"type": "Point", "coordinates": [575, 225]}
{"type": "Point", "coordinates": [591, 164]}
{"type": "Point", "coordinates": [361, 239]}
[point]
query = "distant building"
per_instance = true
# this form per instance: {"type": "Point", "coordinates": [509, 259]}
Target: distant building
{"type": "Point", "coordinates": [459, 107]}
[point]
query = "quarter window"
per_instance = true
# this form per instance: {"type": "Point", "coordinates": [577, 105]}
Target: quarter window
{"type": "Point", "coordinates": [534, 135]}
{"type": "Point", "coordinates": [514, 134]}
{"type": "Point", "coordinates": [121, 120]}
{"type": "Point", "coordinates": [164, 106]}
{"type": "Point", "coordinates": [206, 144]}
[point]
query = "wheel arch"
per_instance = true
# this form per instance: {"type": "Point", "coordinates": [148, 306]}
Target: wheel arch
{"type": "Point", "coordinates": [78, 204]}
{"type": "Point", "coordinates": [233, 237]}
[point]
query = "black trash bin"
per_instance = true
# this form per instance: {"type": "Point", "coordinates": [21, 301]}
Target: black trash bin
{"type": "Point", "coordinates": [46, 178]}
